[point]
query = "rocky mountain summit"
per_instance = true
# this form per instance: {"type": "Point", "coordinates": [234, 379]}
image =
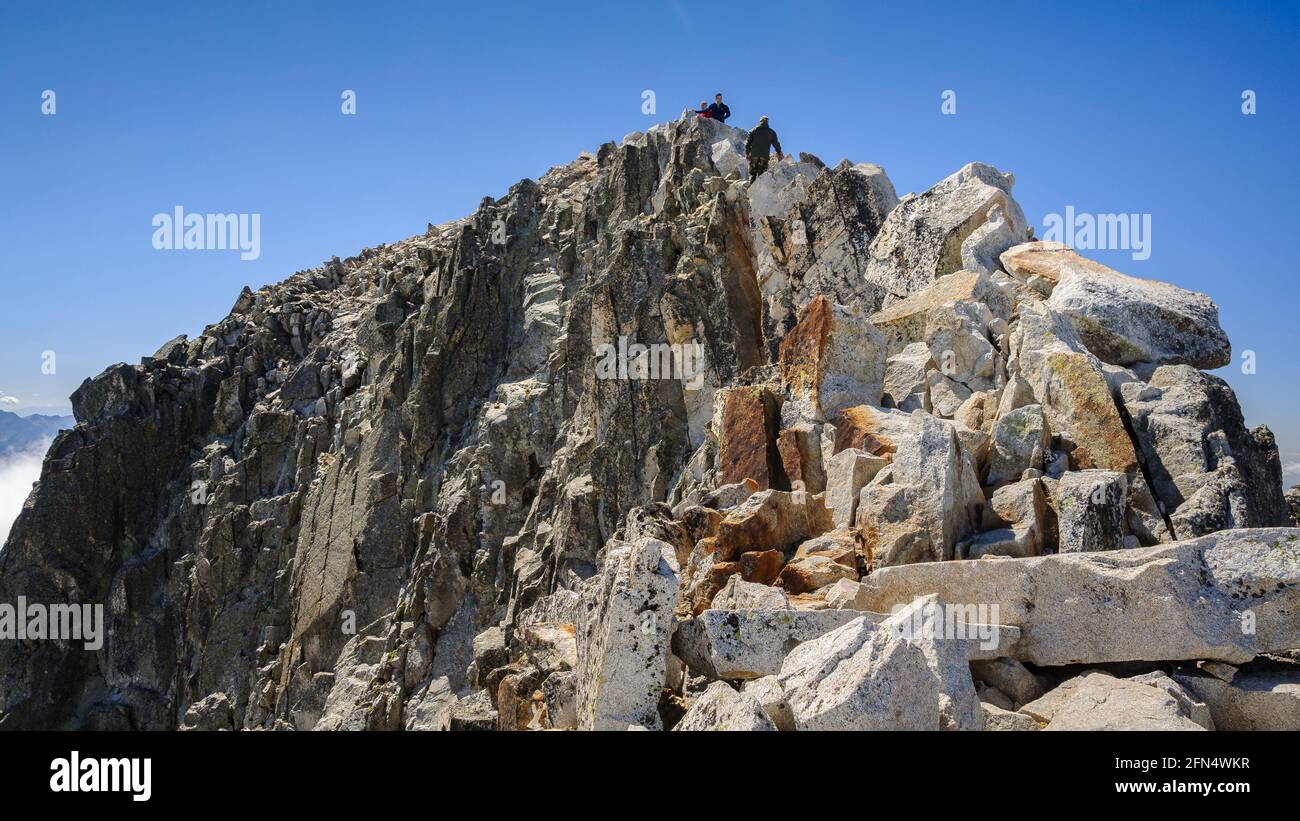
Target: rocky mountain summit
{"type": "Point", "coordinates": [927, 473]}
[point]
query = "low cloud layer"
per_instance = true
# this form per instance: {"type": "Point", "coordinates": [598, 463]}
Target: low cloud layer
{"type": "Point", "coordinates": [17, 472]}
{"type": "Point", "coordinates": [1290, 472]}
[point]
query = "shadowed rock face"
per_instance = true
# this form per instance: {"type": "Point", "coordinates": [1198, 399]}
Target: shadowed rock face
{"type": "Point", "coordinates": [413, 440]}
{"type": "Point", "coordinates": [467, 480]}
{"type": "Point", "coordinates": [1205, 465]}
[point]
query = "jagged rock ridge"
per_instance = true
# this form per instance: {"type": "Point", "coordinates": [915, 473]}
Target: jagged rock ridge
{"type": "Point", "coordinates": [397, 491]}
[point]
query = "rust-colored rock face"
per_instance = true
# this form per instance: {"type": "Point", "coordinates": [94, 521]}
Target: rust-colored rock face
{"type": "Point", "coordinates": [761, 566]}
{"type": "Point", "coordinates": [770, 520]}
{"type": "Point", "coordinates": [747, 446]}
{"type": "Point", "coordinates": [832, 359]}
{"type": "Point", "coordinates": [858, 428]}
{"type": "Point", "coordinates": [802, 349]}
{"type": "Point", "coordinates": [1048, 260]}
{"type": "Point", "coordinates": [813, 572]}
{"type": "Point", "coordinates": [840, 546]}
{"type": "Point", "coordinates": [714, 581]}
{"type": "Point", "coordinates": [801, 459]}
{"type": "Point", "coordinates": [787, 446]}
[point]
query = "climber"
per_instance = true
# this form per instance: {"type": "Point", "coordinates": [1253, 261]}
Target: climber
{"type": "Point", "coordinates": [719, 110]}
{"type": "Point", "coordinates": [760, 140]}
{"type": "Point", "coordinates": [705, 111]}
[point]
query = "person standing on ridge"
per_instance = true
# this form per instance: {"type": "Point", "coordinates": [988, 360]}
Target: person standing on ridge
{"type": "Point", "coordinates": [757, 145]}
{"type": "Point", "coordinates": [705, 110]}
{"type": "Point", "coordinates": [719, 110]}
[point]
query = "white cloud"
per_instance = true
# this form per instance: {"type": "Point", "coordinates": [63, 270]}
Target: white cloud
{"type": "Point", "coordinates": [1290, 473]}
{"type": "Point", "coordinates": [8, 400]}
{"type": "Point", "coordinates": [17, 472]}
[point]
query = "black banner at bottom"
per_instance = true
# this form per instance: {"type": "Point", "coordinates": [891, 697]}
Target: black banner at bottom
{"type": "Point", "coordinates": [149, 771]}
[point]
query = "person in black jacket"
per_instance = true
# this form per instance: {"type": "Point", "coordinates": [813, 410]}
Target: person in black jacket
{"type": "Point", "coordinates": [761, 140]}
{"type": "Point", "coordinates": [719, 111]}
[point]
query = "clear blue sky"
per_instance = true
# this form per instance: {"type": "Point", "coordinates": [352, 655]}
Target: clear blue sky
{"type": "Point", "coordinates": [1109, 107]}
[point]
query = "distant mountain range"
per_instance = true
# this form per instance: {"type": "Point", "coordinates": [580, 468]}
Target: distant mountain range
{"type": "Point", "coordinates": [44, 410]}
{"type": "Point", "coordinates": [21, 433]}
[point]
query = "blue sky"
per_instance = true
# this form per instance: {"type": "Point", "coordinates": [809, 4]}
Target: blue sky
{"type": "Point", "coordinates": [1106, 107]}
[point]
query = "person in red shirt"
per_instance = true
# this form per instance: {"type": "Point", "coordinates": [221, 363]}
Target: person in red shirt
{"type": "Point", "coordinates": [705, 111]}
